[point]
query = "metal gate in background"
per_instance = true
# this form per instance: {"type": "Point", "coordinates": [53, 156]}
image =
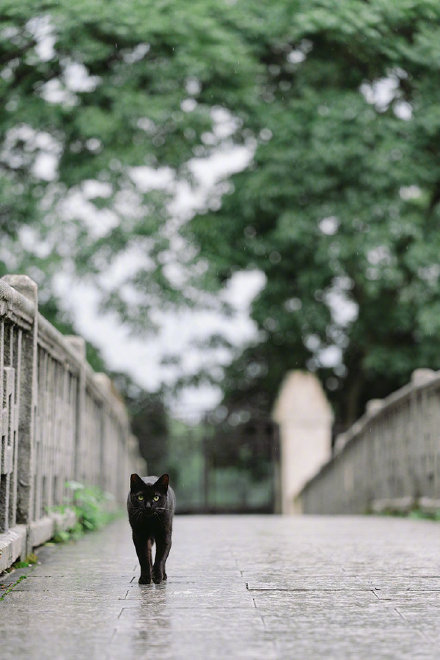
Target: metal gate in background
{"type": "Point", "coordinates": [227, 469]}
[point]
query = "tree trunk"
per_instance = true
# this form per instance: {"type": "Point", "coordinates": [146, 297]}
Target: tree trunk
{"type": "Point", "coordinates": [351, 409]}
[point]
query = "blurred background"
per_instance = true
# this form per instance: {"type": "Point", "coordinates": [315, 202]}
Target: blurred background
{"type": "Point", "coordinates": [215, 194]}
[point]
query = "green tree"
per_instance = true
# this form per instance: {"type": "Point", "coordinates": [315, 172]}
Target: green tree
{"type": "Point", "coordinates": [337, 102]}
{"type": "Point", "coordinates": [149, 422]}
{"type": "Point", "coordinates": [92, 92]}
{"type": "Point", "coordinates": [340, 202]}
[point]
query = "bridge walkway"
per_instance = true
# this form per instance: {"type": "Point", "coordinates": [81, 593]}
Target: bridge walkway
{"type": "Point", "coordinates": [238, 587]}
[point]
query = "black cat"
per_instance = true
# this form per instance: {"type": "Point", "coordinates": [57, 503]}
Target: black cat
{"type": "Point", "coordinates": [151, 503]}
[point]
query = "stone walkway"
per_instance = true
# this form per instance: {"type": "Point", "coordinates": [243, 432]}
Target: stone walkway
{"type": "Point", "coordinates": [238, 587]}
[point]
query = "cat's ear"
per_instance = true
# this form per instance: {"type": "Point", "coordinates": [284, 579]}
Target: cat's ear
{"type": "Point", "coordinates": [162, 483]}
{"type": "Point", "coordinates": [136, 482]}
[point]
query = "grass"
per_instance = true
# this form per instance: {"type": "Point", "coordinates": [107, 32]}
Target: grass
{"type": "Point", "coordinates": [91, 506]}
{"type": "Point", "coordinates": [29, 561]}
{"type": "Point", "coordinates": [416, 514]}
{"type": "Point", "coordinates": [424, 515]}
{"type": "Point", "coordinates": [12, 586]}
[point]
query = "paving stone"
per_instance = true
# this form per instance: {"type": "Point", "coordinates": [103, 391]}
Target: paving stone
{"type": "Point", "coordinates": [197, 645]}
{"type": "Point", "coordinates": [256, 587]}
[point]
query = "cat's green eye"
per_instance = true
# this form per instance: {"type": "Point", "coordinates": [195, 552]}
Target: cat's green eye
{"type": "Point", "coordinates": [156, 498]}
{"type": "Point", "coordinates": [140, 498]}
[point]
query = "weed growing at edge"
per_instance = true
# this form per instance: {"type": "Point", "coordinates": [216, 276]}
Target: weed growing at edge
{"type": "Point", "coordinates": [415, 513]}
{"type": "Point", "coordinates": [29, 561]}
{"type": "Point", "coordinates": [91, 506]}
{"type": "Point", "coordinates": [12, 586]}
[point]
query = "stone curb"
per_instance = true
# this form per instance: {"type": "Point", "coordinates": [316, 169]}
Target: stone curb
{"type": "Point", "coordinates": [14, 543]}
{"type": "Point", "coordinates": [12, 546]}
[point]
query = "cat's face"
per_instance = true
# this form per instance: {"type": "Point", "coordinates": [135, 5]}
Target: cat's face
{"type": "Point", "coordinates": [148, 499]}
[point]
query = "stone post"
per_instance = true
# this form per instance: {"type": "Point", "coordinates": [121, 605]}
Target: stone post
{"type": "Point", "coordinates": [305, 419]}
{"type": "Point", "coordinates": [78, 345]}
{"type": "Point", "coordinates": [27, 397]}
{"type": "Point", "coordinates": [105, 384]}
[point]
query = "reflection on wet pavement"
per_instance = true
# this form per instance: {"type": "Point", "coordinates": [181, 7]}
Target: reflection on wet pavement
{"type": "Point", "coordinates": [238, 587]}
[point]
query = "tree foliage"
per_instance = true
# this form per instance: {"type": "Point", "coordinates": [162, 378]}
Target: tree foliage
{"type": "Point", "coordinates": [339, 207]}
{"type": "Point", "coordinates": [338, 103]}
{"type": "Point", "coordinates": [98, 95]}
{"type": "Point", "coordinates": [149, 422]}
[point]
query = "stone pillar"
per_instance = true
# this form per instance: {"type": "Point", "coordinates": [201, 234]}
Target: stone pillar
{"type": "Point", "coordinates": [78, 345]}
{"type": "Point", "coordinates": [305, 419]}
{"type": "Point", "coordinates": [27, 401]}
{"type": "Point", "coordinates": [105, 384]}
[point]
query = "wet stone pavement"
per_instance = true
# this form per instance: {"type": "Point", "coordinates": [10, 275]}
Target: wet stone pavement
{"type": "Point", "coordinates": [238, 587]}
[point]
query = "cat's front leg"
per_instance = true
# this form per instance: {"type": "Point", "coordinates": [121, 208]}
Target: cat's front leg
{"type": "Point", "coordinates": [143, 551]}
{"type": "Point", "coordinates": [163, 547]}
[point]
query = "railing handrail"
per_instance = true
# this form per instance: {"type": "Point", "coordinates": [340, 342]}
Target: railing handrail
{"type": "Point", "coordinates": [399, 429]}
{"type": "Point", "coordinates": [24, 307]}
{"type": "Point", "coordinates": [63, 421]}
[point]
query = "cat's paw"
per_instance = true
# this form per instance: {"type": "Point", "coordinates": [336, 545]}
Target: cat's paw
{"type": "Point", "coordinates": [165, 576]}
{"type": "Point", "coordinates": [157, 577]}
{"type": "Point", "coordinates": [145, 579]}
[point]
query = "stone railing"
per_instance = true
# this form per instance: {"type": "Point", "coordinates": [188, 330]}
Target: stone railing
{"type": "Point", "coordinates": [389, 460]}
{"type": "Point", "coordinates": [59, 421]}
